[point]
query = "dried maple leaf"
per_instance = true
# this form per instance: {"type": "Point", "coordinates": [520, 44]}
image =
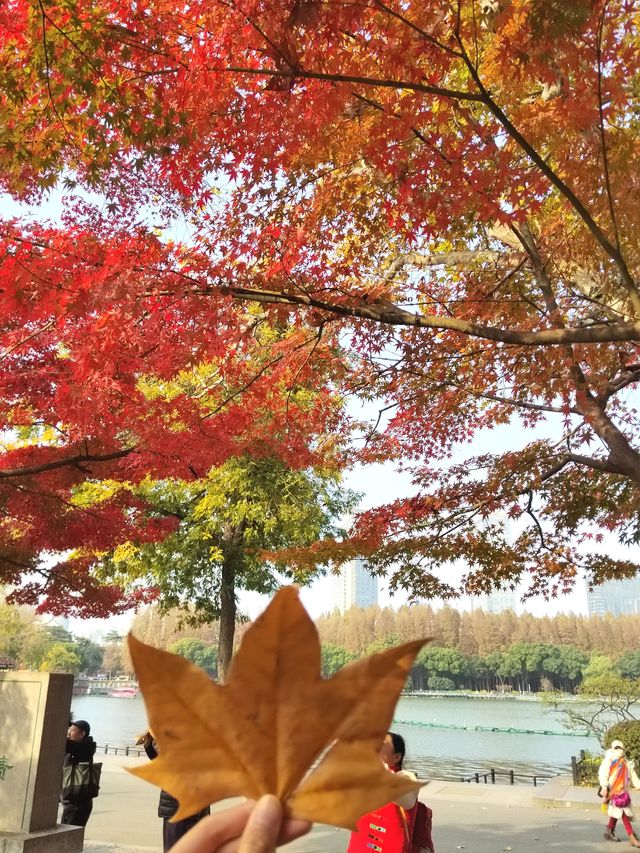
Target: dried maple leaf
{"type": "Point", "coordinates": [262, 731]}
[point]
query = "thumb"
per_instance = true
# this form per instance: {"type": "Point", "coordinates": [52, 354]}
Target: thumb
{"type": "Point", "coordinates": [263, 827]}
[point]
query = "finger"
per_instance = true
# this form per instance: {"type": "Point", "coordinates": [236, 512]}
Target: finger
{"type": "Point", "coordinates": [292, 829]}
{"type": "Point", "coordinates": [213, 831]}
{"type": "Point", "coordinates": [289, 831]}
{"type": "Point", "coordinates": [263, 827]}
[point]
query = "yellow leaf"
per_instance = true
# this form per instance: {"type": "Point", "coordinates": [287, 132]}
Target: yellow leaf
{"type": "Point", "coordinates": [265, 729]}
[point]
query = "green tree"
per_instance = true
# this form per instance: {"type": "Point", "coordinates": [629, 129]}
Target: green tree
{"type": "Point", "coordinates": [59, 634]}
{"type": "Point", "coordinates": [112, 636]}
{"type": "Point", "coordinates": [35, 649]}
{"type": "Point", "coordinates": [478, 674]}
{"type": "Point", "coordinates": [206, 657]}
{"type": "Point", "coordinates": [90, 654]}
{"type": "Point", "coordinates": [443, 662]}
{"type": "Point", "coordinates": [60, 657]}
{"type": "Point", "coordinates": [440, 682]}
{"type": "Point", "coordinates": [629, 665]}
{"type": "Point", "coordinates": [609, 699]}
{"type": "Point", "coordinates": [497, 667]}
{"type": "Point", "coordinates": [16, 631]}
{"type": "Point", "coordinates": [230, 526]}
{"type": "Point", "coordinates": [628, 732]}
{"type": "Point", "coordinates": [571, 666]}
{"type": "Point", "coordinates": [598, 665]}
{"type": "Point", "coordinates": [334, 658]}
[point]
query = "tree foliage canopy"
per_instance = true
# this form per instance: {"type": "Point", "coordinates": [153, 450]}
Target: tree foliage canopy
{"type": "Point", "coordinates": [438, 200]}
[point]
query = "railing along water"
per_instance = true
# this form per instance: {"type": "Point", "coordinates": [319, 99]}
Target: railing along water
{"type": "Point", "coordinates": [491, 775]}
{"type": "Point", "coordinates": [120, 750]}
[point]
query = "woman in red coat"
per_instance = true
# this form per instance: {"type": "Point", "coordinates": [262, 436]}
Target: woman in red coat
{"type": "Point", "coordinates": [388, 829]}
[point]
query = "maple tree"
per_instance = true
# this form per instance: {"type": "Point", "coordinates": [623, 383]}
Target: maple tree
{"type": "Point", "coordinates": [260, 732]}
{"type": "Point", "coordinates": [95, 408]}
{"type": "Point", "coordinates": [448, 190]}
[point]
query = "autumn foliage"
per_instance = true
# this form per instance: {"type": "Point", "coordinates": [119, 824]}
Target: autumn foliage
{"type": "Point", "coordinates": [432, 205]}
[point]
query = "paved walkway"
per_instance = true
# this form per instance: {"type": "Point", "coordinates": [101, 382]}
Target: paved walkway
{"type": "Point", "coordinates": [479, 818]}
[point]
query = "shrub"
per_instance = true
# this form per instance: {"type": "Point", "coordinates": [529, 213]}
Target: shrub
{"type": "Point", "coordinates": [629, 733]}
{"type": "Point", "coordinates": [439, 682]}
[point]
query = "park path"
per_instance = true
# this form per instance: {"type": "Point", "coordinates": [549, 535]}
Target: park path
{"type": "Point", "coordinates": [476, 818]}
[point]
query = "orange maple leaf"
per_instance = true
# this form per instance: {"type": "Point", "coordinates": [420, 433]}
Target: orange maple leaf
{"type": "Point", "coordinates": [264, 730]}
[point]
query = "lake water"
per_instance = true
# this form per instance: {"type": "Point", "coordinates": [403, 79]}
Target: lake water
{"type": "Point", "coordinates": [432, 752]}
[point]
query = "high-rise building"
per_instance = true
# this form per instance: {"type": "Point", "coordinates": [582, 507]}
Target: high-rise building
{"type": "Point", "coordinates": [619, 598]}
{"type": "Point", "coordinates": [496, 602]}
{"type": "Point", "coordinates": [354, 586]}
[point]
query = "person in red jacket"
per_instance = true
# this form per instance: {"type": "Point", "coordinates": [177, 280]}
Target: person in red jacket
{"type": "Point", "coordinates": [388, 829]}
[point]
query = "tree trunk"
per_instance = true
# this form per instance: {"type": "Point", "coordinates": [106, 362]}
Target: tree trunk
{"type": "Point", "coordinates": [231, 563]}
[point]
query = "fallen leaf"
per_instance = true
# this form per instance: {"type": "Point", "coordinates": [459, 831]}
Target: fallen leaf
{"type": "Point", "coordinates": [275, 717]}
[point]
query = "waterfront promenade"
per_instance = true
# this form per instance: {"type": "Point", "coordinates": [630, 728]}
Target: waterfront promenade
{"type": "Point", "coordinates": [478, 818]}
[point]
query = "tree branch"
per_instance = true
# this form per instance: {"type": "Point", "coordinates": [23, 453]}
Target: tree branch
{"type": "Point", "coordinates": [510, 401]}
{"type": "Point", "coordinates": [303, 74]}
{"type": "Point", "coordinates": [603, 139]}
{"type": "Point", "coordinates": [26, 340]}
{"type": "Point", "coordinates": [391, 314]}
{"type": "Point", "coordinates": [593, 462]}
{"type": "Point", "coordinates": [27, 470]}
{"type": "Point", "coordinates": [612, 251]}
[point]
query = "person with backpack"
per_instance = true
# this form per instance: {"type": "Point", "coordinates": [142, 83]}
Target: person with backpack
{"type": "Point", "coordinates": [77, 801]}
{"type": "Point", "coordinates": [403, 826]}
{"type": "Point", "coordinates": [616, 775]}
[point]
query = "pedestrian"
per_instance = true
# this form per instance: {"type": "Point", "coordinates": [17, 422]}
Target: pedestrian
{"type": "Point", "coordinates": [172, 832]}
{"type": "Point", "coordinates": [77, 802]}
{"type": "Point", "coordinates": [388, 829]}
{"type": "Point", "coordinates": [616, 775]}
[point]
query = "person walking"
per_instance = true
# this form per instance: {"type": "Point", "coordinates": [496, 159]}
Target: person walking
{"type": "Point", "coordinates": [172, 831]}
{"type": "Point", "coordinates": [616, 775]}
{"type": "Point", "coordinates": [77, 804]}
{"type": "Point", "coordinates": [388, 829]}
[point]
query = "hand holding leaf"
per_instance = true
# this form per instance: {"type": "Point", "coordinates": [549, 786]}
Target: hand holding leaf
{"type": "Point", "coordinates": [262, 731]}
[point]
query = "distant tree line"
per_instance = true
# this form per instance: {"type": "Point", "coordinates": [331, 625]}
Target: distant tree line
{"type": "Point", "coordinates": [477, 632]}
{"type": "Point", "coordinates": [485, 651]}
{"type": "Point", "coordinates": [27, 643]}
{"type": "Point", "coordinates": [523, 667]}
{"type": "Point", "coordinates": [471, 651]}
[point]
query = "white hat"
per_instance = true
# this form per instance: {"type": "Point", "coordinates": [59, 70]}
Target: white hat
{"type": "Point", "coordinates": [617, 744]}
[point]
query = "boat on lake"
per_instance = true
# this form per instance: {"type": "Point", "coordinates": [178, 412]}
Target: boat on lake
{"type": "Point", "coordinates": [124, 693]}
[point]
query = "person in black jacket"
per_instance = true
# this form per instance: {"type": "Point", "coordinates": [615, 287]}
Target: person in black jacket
{"type": "Point", "coordinates": [168, 805]}
{"type": "Point", "coordinates": [81, 747]}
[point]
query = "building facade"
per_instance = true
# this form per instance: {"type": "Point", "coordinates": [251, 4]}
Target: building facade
{"type": "Point", "coordinates": [620, 598]}
{"type": "Point", "coordinates": [496, 602]}
{"type": "Point", "coordinates": [354, 586]}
